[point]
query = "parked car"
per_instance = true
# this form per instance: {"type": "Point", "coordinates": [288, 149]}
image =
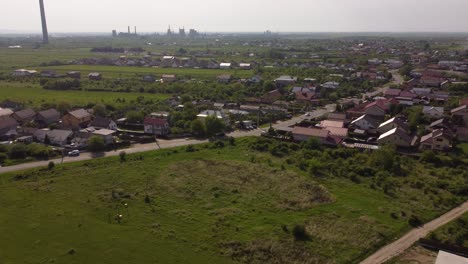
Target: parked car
{"type": "Point", "coordinates": [74, 153]}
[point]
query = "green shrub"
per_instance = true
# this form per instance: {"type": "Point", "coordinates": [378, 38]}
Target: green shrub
{"type": "Point", "coordinates": [51, 165]}
{"type": "Point", "coordinates": [300, 233]}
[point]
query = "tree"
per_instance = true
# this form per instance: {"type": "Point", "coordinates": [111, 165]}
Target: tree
{"type": "Point", "coordinates": [96, 144]}
{"type": "Point", "coordinates": [63, 107]}
{"type": "Point", "coordinates": [406, 70]}
{"type": "Point", "coordinates": [135, 117]}
{"type": "Point", "coordinates": [46, 140]}
{"type": "Point", "coordinates": [213, 125]}
{"type": "Point", "coordinates": [3, 157]}
{"type": "Point", "coordinates": [122, 156]}
{"type": "Point", "coordinates": [18, 151]}
{"type": "Point", "coordinates": [198, 128]}
{"type": "Point", "coordinates": [100, 110]}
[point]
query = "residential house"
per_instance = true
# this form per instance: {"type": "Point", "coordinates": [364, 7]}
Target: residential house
{"type": "Point", "coordinates": [24, 116]}
{"type": "Point", "coordinates": [96, 76]}
{"type": "Point", "coordinates": [440, 139]}
{"type": "Point", "coordinates": [224, 78]}
{"type": "Point", "coordinates": [271, 96]}
{"type": "Point", "coordinates": [305, 96]}
{"type": "Point", "coordinates": [336, 128]}
{"type": "Point", "coordinates": [442, 123]}
{"type": "Point", "coordinates": [218, 114]}
{"type": "Point", "coordinates": [7, 124]}
{"type": "Point", "coordinates": [331, 85]}
{"type": "Point", "coordinates": [225, 65]}
{"type": "Point", "coordinates": [392, 93]}
{"type": "Point", "coordinates": [460, 115]}
{"type": "Point", "coordinates": [377, 109]}
{"type": "Point", "coordinates": [285, 80]}
{"type": "Point", "coordinates": [302, 90]}
{"type": "Point", "coordinates": [74, 74]}
{"type": "Point", "coordinates": [106, 134]}
{"type": "Point", "coordinates": [304, 134]}
{"type": "Point", "coordinates": [422, 92]}
{"type": "Point", "coordinates": [77, 119]}
{"type": "Point", "coordinates": [365, 122]}
{"type": "Point", "coordinates": [48, 74]}
{"type": "Point", "coordinates": [55, 137]}
{"type": "Point", "coordinates": [431, 81]}
{"type": "Point", "coordinates": [103, 123]}
{"type": "Point", "coordinates": [156, 124]}
{"type": "Point", "coordinates": [337, 116]}
{"type": "Point", "coordinates": [24, 73]}
{"type": "Point", "coordinates": [47, 117]}
{"type": "Point", "coordinates": [149, 78]}
{"type": "Point", "coordinates": [331, 123]}
{"type": "Point", "coordinates": [11, 105]}
{"type": "Point", "coordinates": [462, 134]}
{"type": "Point", "coordinates": [254, 80]}
{"type": "Point", "coordinates": [245, 66]}
{"type": "Point", "coordinates": [5, 112]}
{"type": "Point", "coordinates": [391, 124]}
{"type": "Point", "coordinates": [433, 112]}
{"type": "Point", "coordinates": [168, 78]}
{"type": "Point", "coordinates": [339, 132]}
{"type": "Point", "coordinates": [397, 137]}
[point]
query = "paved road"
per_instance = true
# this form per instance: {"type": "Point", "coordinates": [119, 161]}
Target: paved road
{"type": "Point", "coordinates": [397, 79]}
{"type": "Point", "coordinates": [314, 114]}
{"type": "Point", "coordinates": [399, 246]}
{"type": "Point", "coordinates": [163, 144]}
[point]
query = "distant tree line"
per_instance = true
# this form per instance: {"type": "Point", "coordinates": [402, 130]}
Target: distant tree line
{"type": "Point", "coordinates": [116, 50]}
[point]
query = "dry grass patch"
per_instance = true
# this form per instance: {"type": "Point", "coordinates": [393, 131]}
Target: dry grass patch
{"type": "Point", "coordinates": [208, 180]}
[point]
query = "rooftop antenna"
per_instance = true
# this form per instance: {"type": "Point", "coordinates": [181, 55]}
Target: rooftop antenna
{"type": "Point", "coordinates": [45, 34]}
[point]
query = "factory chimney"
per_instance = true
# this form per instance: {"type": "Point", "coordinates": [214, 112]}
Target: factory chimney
{"type": "Point", "coordinates": [129, 30]}
{"type": "Point", "coordinates": [45, 34]}
{"type": "Point", "coordinates": [135, 30]}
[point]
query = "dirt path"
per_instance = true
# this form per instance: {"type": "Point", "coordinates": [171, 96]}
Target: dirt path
{"type": "Point", "coordinates": [399, 246]}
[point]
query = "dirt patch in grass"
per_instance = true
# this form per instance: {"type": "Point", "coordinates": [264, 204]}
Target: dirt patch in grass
{"type": "Point", "coordinates": [270, 251]}
{"type": "Point", "coordinates": [208, 180]}
{"type": "Point", "coordinates": [416, 255]}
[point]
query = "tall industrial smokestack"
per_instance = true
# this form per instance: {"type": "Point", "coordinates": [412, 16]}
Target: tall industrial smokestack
{"type": "Point", "coordinates": [129, 30]}
{"type": "Point", "coordinates": [135, 30]}
{"type": "Point", "coordinates": [45, 34]}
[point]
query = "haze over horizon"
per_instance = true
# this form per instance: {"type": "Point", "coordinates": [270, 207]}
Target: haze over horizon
{"type": "Point", "coordinates": [238, 16]}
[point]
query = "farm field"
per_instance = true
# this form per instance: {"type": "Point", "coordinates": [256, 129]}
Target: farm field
{"type": "Point", "coordinates": [211, 204]}
{"type": "Point", "coordinates": [34, 96]}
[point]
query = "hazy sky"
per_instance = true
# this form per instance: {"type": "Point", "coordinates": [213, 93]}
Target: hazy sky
{"type": "Point", "coordinates": [237, 15]}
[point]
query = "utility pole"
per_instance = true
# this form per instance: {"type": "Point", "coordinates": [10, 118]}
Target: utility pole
{"type": "Point", "coordinates": [45, 34]}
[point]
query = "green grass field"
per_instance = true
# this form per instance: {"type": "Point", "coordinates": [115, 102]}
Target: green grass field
{"type": "Point", "coordinates": [220, 205]}
{"type": "Point", "coordinates": [34, 96]}
{"type": "Point", "coordinates": [117, 71]}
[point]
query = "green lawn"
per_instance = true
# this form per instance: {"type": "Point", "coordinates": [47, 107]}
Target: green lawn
{"type": "Point", "coordinates": [33, 95]}
{"type": "Point", "coordinates": [222, 205]}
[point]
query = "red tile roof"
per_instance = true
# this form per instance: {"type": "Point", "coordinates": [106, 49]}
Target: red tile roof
{"type": "Point", "coordinates": [155, 121]}
{"type": "Point", "coordinates": [312, 132]}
